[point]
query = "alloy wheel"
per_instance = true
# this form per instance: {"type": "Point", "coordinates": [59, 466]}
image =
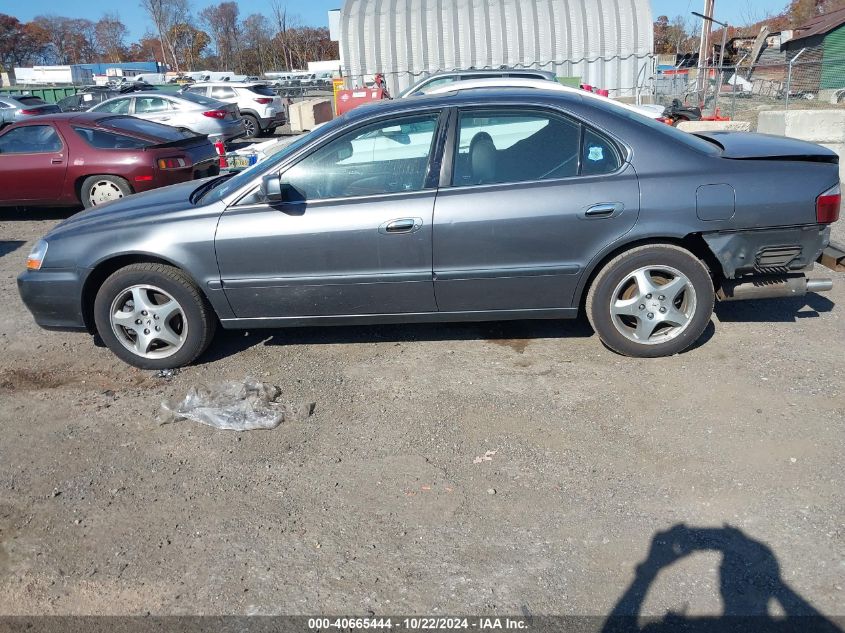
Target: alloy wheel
{"type": "Point", "coordinates": [148, 321]}
{"type": "Point", "coordinates": [653, 304]}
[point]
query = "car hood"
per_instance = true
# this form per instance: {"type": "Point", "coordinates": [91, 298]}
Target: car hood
{"type": "Point", "coordinates": [754, 146]}
{"type": "Point", "coordinates": [139, 207]}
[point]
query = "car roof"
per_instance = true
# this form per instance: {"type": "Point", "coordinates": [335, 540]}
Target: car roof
{"type": "Point", "coordinates": [498, 83]}
{"type": "Point", "coordinates": [489, 71]}
{"type": "Point", "coordinates": [464, 97]}
{"type": "Point", "coordinates": [236, 84]}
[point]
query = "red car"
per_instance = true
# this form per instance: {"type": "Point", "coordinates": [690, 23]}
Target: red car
{"type": "Point", "coordinates": [93, 158]}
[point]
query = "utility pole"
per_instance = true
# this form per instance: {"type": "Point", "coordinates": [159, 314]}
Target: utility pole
{"type": "Point", "coordinates": [704, 47]}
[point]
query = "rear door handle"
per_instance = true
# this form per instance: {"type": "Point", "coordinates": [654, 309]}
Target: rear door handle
{"type": "Point", "coordinates": [401, 225]}
{"type": "Point", "coordinates": [604, 210]}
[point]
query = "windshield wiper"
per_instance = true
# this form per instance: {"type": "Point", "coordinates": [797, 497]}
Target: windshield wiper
{"type": "Point", "coordinates": [200, 191]}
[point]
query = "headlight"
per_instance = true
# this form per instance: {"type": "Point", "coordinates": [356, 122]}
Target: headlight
{"type": "Point", "coordinates": [37, 255]}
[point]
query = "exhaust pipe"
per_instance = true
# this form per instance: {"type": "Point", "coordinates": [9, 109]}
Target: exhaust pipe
{"type": "Point", "coordinates": [771, 287]}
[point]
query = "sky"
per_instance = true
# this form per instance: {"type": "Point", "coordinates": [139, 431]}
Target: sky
{"type": "Point", "coordinates": [313, 12]}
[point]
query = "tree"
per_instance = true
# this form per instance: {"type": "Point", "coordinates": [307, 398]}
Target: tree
{"type": "Point", "coordinates": [256, 56]}
{"type": "Point", "coordinates": [165, 14]}
{"type": "Point", "coordinates": [110, 34]}
{"type": "Point", "coordinates": [189, 44]}
{"type": "Point", "coordinates": [222, 23]}
{"type": "Point", "coordinates": [69, 40]}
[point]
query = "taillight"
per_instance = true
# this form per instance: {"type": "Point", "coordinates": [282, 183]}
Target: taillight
{"type": "Point", "coordinates": [216, 114]}
{"type": "Point", "coordinates": [29, 111]}
{"type": "Point", "coordinates": [175, 162]}
{"type": "Point", "coordinates": [827, 205]}
{"type": "Point", "coordinates": [263, 100]}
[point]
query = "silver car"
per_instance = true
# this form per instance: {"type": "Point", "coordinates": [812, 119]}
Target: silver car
{"type": "Point", "coordinates": [261, 108]}
{"type": "Point", "coordinates": [187, 112]}
{"type": "Point", "coordinates": [14, 108]}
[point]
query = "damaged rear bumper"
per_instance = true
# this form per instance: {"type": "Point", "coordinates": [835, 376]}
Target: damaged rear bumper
{"type": "Point", "coordinates": [769, 263]}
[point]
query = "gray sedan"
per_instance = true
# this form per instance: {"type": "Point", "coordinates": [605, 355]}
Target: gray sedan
{"type": "Point", "coordinates": [477, 205]}
{"type": "Point", "coordinates": [14, 108]}
{"type": "Point", "coordinates": [188, 112]}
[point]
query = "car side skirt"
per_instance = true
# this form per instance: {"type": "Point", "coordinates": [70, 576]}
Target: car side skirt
{"type": "Point", "coordinates": [406, 317]}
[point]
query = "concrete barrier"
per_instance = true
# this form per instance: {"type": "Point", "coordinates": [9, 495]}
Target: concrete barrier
{"type": "Point", "coordinates": [825, 127]}
{"type": "Point", "coordinates": [307, 114]}
{"type": "Point", "coordinates": [714, 126]}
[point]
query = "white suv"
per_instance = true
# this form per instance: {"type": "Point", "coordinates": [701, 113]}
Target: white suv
{"type": "Point", "coordinates": [261, 108]}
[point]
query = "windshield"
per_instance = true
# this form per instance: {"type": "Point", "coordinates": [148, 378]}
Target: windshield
{"type": "Point", "coordinates": [226, 187]}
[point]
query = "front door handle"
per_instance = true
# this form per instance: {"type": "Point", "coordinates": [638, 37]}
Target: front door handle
{"type": "Point", "coordinates": [604, 210]}
{"type": "Point", "coordinates": [401, 225]}
{"type": "Point", "coordinates": [57, 161]}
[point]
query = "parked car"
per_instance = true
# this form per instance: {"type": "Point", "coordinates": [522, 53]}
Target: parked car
{"type": "Point", "coordinates": [261, 108]}
{"type": "Point", "coordinates": [93, 158]}
{"type": "Point", "coordinates": [466, 206]}
{"type": "Point", "coordinates": [447, 77]}
{"type": "Point", "coordinates": [185, 111]}
{"type": "Point", "coordinates": [82, 101]}
{"type": "Point", "coordinates": [21, 107]}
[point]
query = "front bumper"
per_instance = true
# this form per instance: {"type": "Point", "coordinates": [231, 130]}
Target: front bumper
{"type": "Point", "coordinates": [54, 297]}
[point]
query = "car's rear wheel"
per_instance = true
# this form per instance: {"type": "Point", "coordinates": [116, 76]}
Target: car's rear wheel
{"type": "Point", "coordinates": [97, 190]}
{"type": "Point", "coordinates": [251, 126]}
{"type": "Point", "coordinates": [153, 316]}
{"type": "Point", "coordinates": [651, 301]}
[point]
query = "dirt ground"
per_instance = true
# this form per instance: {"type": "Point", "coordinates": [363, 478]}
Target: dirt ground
{"type": "Point", "coordinates": [509, 468]}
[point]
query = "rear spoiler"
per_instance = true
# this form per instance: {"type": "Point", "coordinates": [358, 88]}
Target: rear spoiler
{"type": "Point", "coordinates": [182, 142]}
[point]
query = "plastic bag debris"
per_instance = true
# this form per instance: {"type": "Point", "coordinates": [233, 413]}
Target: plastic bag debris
{"type": "Point", "coordinates": [235, 406]}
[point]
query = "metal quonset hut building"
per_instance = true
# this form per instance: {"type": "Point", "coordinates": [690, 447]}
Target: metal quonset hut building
{"type": "Point", "coordinates": [608, 43]}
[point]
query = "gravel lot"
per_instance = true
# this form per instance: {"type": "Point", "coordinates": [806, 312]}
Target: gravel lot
{"type": "Point", "coordinates": [512, 468]}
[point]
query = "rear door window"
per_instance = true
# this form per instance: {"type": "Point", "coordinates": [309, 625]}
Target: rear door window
{"type": "Point", "coordinates": [515, 146]}
{"type": "Point", "coordinates": [31, 139]}
{"type": "Point", "coordinates": [149, 105]}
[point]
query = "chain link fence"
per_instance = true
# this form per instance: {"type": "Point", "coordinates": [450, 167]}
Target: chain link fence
{"type": "Point", "coordinates": [807, 81]}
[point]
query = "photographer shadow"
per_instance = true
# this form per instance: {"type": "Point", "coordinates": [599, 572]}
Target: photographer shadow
{"type": "Point", "coordinates": [749, 580]}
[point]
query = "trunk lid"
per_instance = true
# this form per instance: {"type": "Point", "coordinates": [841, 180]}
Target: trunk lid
{"type": "Point", "coordinates": [754, 146]}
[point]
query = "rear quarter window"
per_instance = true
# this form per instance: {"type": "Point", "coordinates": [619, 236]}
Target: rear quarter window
{"type": "Point", "coordinates": [199, 100]}
{"type": "Point", "coordinates": [262, 90]}
{"type": "Point", "coordinates": [100, 139]}
{"type": "Point", "coordinates": [146, 128]}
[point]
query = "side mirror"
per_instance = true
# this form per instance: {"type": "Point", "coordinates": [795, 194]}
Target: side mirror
{"type": "Point", "coordinates": [271, 188]}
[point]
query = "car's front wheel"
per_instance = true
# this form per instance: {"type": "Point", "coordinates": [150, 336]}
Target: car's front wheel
{"type": "Point", "coordinates": [651, 301]}
{"type": "Point", "coordinates": [153, 316]}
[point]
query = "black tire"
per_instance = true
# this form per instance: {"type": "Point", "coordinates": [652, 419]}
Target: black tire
{"type": "Point", "coordinates": [694, 303]}
{"type": "Point", "coordinates": [201, 322]}
{"type": "Point", "coordinates": [87, 192]}
{"type": "Point", "coordinates": [251, 126]}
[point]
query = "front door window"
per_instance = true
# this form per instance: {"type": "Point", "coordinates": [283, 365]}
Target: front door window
{"type": "Point", "coordinates": [386, 157]}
